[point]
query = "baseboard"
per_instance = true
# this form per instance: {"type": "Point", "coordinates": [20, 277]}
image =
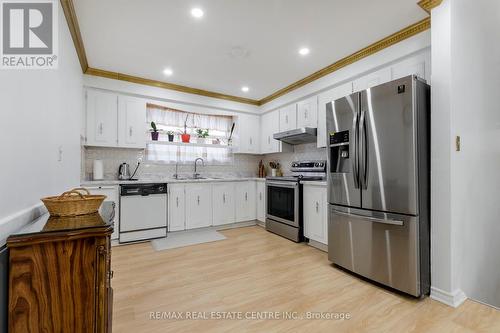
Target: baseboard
{"type": "Point", "coordinates": [261, 224]}
{"type": "Point", "coordinates": [235, 225]}
{"type": "Point", "coordinates": [16, 221]}
{"type": "Point", "coordinates": [318, 245]}
{"type": "Point", "coordinates": [454, 299]}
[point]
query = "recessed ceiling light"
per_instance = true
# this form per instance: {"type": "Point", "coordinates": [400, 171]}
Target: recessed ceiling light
{"type": "Point", "coordinates": [245, 89]}
{"type": "Point", "coordinates": [168, 72]}
{"type": "Point", "coordinates": [304, 51]}
{"type": "Point", "coordinates": [197, 12]}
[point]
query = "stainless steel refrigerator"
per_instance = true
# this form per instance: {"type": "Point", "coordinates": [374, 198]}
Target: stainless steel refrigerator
{"type": "Point", "coordinates": [378, 184]}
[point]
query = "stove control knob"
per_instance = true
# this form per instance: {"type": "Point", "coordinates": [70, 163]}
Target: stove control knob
{"type": "Point", "coordinates": [316, 164]}
{"type": "Point", "coordinates": [295, 165]}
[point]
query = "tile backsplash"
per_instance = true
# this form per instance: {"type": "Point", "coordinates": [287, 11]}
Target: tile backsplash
{"type": "Point", "coordinates": [243, 165]}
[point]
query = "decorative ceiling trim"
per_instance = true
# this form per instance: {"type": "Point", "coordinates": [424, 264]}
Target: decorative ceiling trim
{"type": "Point", "coordinates": [428, 5]}
{"type": "Point", "coordinates": [74, 29]}
{"type": "Point", "coordinates": [363, 53]}
{"type": "Point", "coordinates": [416, 28]}
{"type": "Point", "coordinates": [170, 86]}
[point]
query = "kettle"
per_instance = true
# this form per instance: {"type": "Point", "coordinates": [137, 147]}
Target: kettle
{"type": "Point", "coordinates": [124, 171]}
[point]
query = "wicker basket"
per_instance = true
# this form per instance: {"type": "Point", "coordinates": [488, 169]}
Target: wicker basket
{"type": "Point", "coordinates": [73, 203]}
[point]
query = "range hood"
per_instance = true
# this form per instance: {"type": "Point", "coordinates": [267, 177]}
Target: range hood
{"type": "Point", "coordinates": [297, 136]}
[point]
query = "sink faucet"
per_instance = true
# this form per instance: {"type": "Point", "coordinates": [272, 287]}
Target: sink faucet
{"type": "Point", "coordinates": [176, 174]}
{"type": "Point", "coordinates": [196, 175]}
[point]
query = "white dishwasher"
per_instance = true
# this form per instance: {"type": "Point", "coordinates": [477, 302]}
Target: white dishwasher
{"type": "Point", "coordinates": [143, 212]}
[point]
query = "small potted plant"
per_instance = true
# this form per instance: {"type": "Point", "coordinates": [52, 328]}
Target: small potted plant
{"type": "Point", "coordinates": [154, 132]}
{"type": "Point", "coordinates": [170, 136]}
{"type": "Point", "coordinates": [185, 136]}
{"type": "Point", "coordinates": [202, 134]}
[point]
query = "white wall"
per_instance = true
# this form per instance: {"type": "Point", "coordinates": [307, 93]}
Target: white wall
{"type": "Point", "coordinates": [40, 112]}
{"type": "Point", "coordinates": [466, 82]}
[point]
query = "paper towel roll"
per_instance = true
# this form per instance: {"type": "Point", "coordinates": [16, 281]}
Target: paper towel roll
{"type": "Point", "coordinates": [98, 170]}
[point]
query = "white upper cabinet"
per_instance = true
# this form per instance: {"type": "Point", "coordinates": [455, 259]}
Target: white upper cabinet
{"type": "Point", "coordinates": [315, 213]}
{"type": "Point", "coordinates": [246, 209]}
{"type": "Point", "coordinates": [372, 79]}
{"type": "Point", "coordinates": [288, 118]}
{"type": "Point", "coordinates": [131, 122]}
{"type": "Point", "coordinates": [324, 98]}
{"type": "Point", "coordinates": [176, 207]}
{"type": "Point", "coordinates": [307, 112]}
{"type": "Point", "coordinates": [198, 205]}
{"type": "Point", "coordinates": [412, 66]}
{"type": "Point", "coordinates": [223, 203]}
{"type": "Point", "coordinates": [261, 201]}
{"type": "Point", "coordinates": [248, 127]}
{"type": "Point", "coordinates": [102, 110]}
{"type": "Point", "coordinates": [269, 123]}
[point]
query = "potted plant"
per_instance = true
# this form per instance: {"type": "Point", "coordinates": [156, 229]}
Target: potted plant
{"type": "Point", "coordinates": [170, 136]}
{"type": "Point", "coordinates": [154, 132]}
{"type": "Point", "coordinates": [202, 134]}
{"type": "Point", "coordinates": [185, 136]}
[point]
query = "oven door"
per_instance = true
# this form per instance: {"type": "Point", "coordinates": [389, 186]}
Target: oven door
{"type": "Point", "coordinates": [283, 202]}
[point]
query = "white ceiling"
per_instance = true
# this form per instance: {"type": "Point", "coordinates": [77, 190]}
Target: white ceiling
{"type": "Point", "coordinates": [142, 38]}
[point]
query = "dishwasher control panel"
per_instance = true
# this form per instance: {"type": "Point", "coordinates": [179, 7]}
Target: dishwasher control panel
{"type": "Point", "coordinates": [143, 189]}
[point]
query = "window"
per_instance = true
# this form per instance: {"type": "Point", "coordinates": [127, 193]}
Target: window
{"type": "Point", "coordinates": [167, 119]}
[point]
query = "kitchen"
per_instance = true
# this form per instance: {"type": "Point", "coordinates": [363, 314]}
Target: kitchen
{"type": "Point", "coordinates": [239, 195]}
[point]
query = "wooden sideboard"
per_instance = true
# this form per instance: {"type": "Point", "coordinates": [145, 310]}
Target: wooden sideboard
{"type": "Point", "coordinates": [60, 274]}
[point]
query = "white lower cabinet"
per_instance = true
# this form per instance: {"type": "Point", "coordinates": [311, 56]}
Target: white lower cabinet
{"type": "Point", "coordinates": [261, 201]}
{"type": "Point", "coordinates": [223, 203]}
{"type": "Point", "coordinates": [176, 208]}
{"type": "Point", "coordinates": [315, 213]}
{"type": "Point", "coordinates": [245, 201]}
{"type": "Point", "coordinates": [111, 193]}
{"type": "Point", "coordinates": [198, 205]}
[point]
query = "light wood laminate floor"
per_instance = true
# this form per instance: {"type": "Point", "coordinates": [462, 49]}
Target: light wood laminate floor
{"type": "Point", "coordinates": [253, 270]}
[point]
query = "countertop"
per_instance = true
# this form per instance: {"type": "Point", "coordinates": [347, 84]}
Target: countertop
{"type": "Point", "coordinates": [90, 183]}
{"type": "Point", "coordinates": [46, 225]}
{"type": "Point", "coordinates": [314, 183]}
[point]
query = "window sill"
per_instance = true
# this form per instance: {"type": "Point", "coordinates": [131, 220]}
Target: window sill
{"type": "Point", "coordinates": [189, 144]}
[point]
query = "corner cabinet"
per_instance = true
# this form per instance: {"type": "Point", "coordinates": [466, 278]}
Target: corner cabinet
{"type": "Point", "coordinates": [315, 213]}
{"type": "Point", "coordinates": [114, 120]}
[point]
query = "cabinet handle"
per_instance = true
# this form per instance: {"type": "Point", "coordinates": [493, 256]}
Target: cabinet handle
{"type": "Point", "coordinates": [260, 196]}
{"type": "Point", "coordinates": [246, 196]}
{"type": "Point", "coordinates": [317, 207]}
{"type": "Point", "coordinates": [177, 201]}
{"type": "Point", "coordinates": [251, 141]}
{"type": "Point", "coordinates": [305, 114]}
{"type": "Point", "coordinates": [268, 139]}
{"type": "Point", "coordinates": [100, 128]}
{"type": "Point", "coordinates": [286, 119]}
{"type": "Point", "coordinates": [198, 200]}
{"type": "Point", "coordinates": [224, 198]}
{"type": "Point", "coordinates": [130, 131]}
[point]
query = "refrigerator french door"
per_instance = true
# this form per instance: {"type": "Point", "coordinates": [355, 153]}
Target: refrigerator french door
{"type": "Point", "coordinates": [378, 184]}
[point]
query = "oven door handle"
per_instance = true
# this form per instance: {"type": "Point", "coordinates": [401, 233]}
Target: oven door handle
{"type": "Point", "coordinates": [282, 184]}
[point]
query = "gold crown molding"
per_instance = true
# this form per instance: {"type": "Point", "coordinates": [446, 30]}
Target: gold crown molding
{"type": "Point", "coordinates": [170, 86]}
{"type": "Point", "coordinates": [427, 5]}
{"type": "Point", "coordinates": [363, 53]}
{"type": "Point", "coordinates": [74, 29]}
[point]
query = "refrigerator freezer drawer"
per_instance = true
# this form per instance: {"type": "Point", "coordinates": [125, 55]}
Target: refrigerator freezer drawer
{"type": "Point", "coordinates": [381, 247]}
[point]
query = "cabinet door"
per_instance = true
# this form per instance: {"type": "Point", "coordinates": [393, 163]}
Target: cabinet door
{"type": "Point", "coordinates": [372, 79]}
{"type": "Point", "coordinates": [307, 112]}
{"type": "Point", "coordinates": [131, 122]}
{"type": "Point", "coordinates": [249, 134]}
{"type": "Point", "coordinates": [261, 201]}
{"type": "Point", "coordinates": [198, 206]}
{"type": "Point", "coordinates": [288, 118]}
{"type": "Point", "coordinates": [177, 206]}
{"type": "Point", "coordinates": [324, 98]}
{"type": "Point", "coordinates": [102, 110]}
{"type": "Point", "coordinates": [223, 203]}
{"type": "Point", "coordinates": [246, 209]}
{"type": "Point", "coordinates": [111, 193]}
{"type": "Point", "coordinates": [270, 124]}
{"type": "Point", "coordinates": [315, 215]}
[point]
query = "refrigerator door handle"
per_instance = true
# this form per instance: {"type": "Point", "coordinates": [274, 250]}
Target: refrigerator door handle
{"type": "Point", "coordinates": [355, 165]}
{"type": "Point", "coordinates": [363, 152]}
{"type": "Point", "coordinates": [371, 219]}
